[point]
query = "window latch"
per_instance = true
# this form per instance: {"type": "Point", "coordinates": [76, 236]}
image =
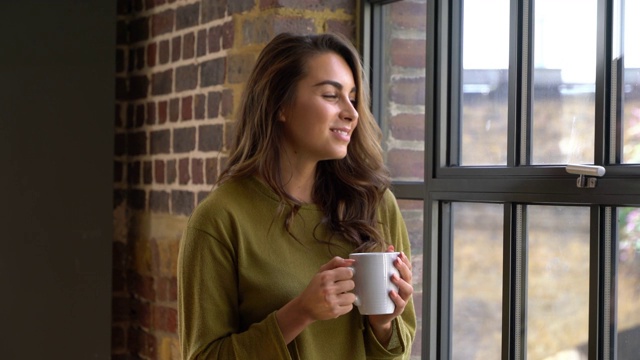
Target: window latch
{"type": "Point", "coordinates": [587, 174]}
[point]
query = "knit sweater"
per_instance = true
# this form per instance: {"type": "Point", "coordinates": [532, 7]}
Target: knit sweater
{"type": "Point", "coordinates": [237, 266]}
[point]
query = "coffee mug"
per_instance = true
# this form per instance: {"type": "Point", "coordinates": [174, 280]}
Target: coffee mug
{"type": "Point", "coordinates": [372, 277]}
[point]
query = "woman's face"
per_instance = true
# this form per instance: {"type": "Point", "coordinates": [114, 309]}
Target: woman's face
{"type": "Point", "coordinates": [319, 123]}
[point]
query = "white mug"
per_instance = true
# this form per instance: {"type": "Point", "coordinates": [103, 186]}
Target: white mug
{"type": "Point", "coordinates": [372, 277]}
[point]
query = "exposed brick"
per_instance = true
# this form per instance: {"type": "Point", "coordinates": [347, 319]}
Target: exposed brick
{"type": "Point", "coordinates": [118, 112]}
{"type": "Point", "coordinates": [122, 33]}
{"type": "Point", "coordinates": [214, 99]}
{"type": "Point", "coordinates": [131, 60]}
{"type": "Point", "coordinates": [162, 23]}
{"type": "Point", "coordinates": [210, 137]}
{"type": "Point", "coordinates": [162, 112]}
{"type": "Point", "coordinates": [137, 199]}
{"type": "Point", "coordinates": [409, 15]}
{"type": "Point", "coordinates": [344, 27]}
{"type": "Point", "coordinates": [160, 142]}
{"type": "Point", "coordinates": [130, 116]}
{"type": "Point", "coordinates": [147, 174]}
{"type": "Point", "coordinates": [407, 127]}
{"type": "Point", "coordinates": [161, 82]}
{"type": "Point", "coordinates": [406, 163]}
{"type": "Point", "coordinates": [182, 202]}
{"type": "Point", "coordinates": [139, 29]}
{"type": "Point", "coordinates": [176, 48]}
{"type": "Point", "coordinates": [211, 170]}
{"type": "Point", "coordinates": [118, 339]}
{"type": "Point", "coordinates": [171, 171]}
{"type": "Point", "coordinates": [152, 54]}
{"type": "Point", "coordinates": [239, 67]}
{"type": "Point", "coordinates": [133, 173]}
{"type": "Point", "coordinates": [227, 35]}
{"type": "Point", "coordinates": [120, 308]}
{"type": "Point", "coordinates": [238, 6]}
{"type": "Point", "coordinates": [120, 144]}
{"type": "Point", "coordinates": [140, 115]}
{"type": "Point", "coordinates": [199, 104]}
{"type": "Point", "coordinates": [213, 9]}
{"type": "Point", "coordinates": [120, 61]}
{"type": "Point", "coordinates": [137, 6]}
{"type": "Point", "coordinates": [138, 87]}
{"type": "Point", "coordinates": [164, 52]}
{"type": "Point", "coordinates": [408, 91]}
{"type": "Point", "coordinates": [159, 202]}
{"type": "Point", "coordinates": [151, 113]}
{"type": "Point", "coordinates": [214, 38]}
{"type": "Point", "coordinates": [174, 110]}
{"type": "Point", "coordinates": [166, 289]}
{"type": "Point", "coordinates": [187, 108]}
{"type": "Point", "coordinates": [258, 30]}
{"type": "Point", "coordinates": [197, 171]}
{"type": "Point", "coordinates": [186, 77]}
{"type": "Point", "coordinates": [183, 171]}
{"type": "Point", "coordinates": [227, 102]}
{"type": "Point", "coordinates": [122, 92]}
{"type": "Point", "coordinates": [165, 319]}
{"type": "Point", "coordinates": [410, 53]}
{"type": "Point", "coordinates": [119, 197]}
{"type": "Point", "coordinates": [293, 24]}
{"type": "Point", "coordinates": [188, 46]}
{"type": "Point", "coordinates": [140, 56]}
{"type": "Point", "coordinates": [118, 171]}
{"type": "Point", "coordinates": [212, 72]}
{"type": "Point", "coordinates": [201, 43]}
{"type": "Point", "coordinates": [187, 16]}
{"type": "Point", "coordinates": [144, 286]}
{"type": "Point", "coordinates": [349, 6]}
{"type": "Point", "coordinates": [137, 143]}
{"type": "Point", "coordinates": [184, 139]}
{"type": "Point", "coordinates": [159, 171]}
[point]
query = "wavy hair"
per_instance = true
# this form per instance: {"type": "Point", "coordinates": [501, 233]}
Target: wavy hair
{"type": "Point", "coordinates": [347, 190]}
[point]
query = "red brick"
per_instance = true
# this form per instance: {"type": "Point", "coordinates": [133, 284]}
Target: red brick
{"type": "Point", "coordinates": [171, 171]}
{"type": "Point", "coordinates": [165, 319]}
{"type": "Point", "coordinates": [211, 170]}
{"type": "Point", "coordinates": [409, 53]}
{"type": "Point", "coordinates": [197, 175]}
{"type": "Point", "coordinates": [201, 42]}
{"type": "Point", "coordinates": [407, 127]}
{"type": "Point", "coordinates": [188, 46]}
{"type": "Point", "coordinates": [227, 35]}
{"type": "Point", "coordinates": [344, 27]}
{"type": "Point", "coordinates": [147, 176]}
{"type": "Point", "coordinates": [162, 112]}
{"type": "Point", "coordinates": [174, 110]}
{"type": "Point", "coordinates": [164, 52]}
{"type": "Point", "coordinates": [199, 103]}
{"type": "Point", "coordinates": [408, 91]}
{"type": "Point", "coordinates": [151, 113]}
{"type": "Point", "coordinates": [214, 38]}
{"type": "Point", "coordinates": [162, 23]}
{"type": "Point", "coordinates": [227, 102]}
{"type": "Point", "coordinates": [176, 48]}
{"type": "Point", "coordinates": [187, 108]}
{"type": "Point", "coordinates": [159, 171]}
{"type": "Point", "coordinates": [183, 171]}
{"type": "Point", "coordinates": [120, 308]}
{"type": "Point", "coordinates": [409, 15]}
{"type": "Point", "coordinates": [406, 163]}
{"type": "Point", "coordinates": [152, 54]}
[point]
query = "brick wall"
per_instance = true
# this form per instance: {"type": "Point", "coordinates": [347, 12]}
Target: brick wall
{"type": "Point", "coordinates": [181, 65]}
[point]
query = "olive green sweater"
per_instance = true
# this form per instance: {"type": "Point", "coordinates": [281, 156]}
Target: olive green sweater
{"type": "Point", "coordinates": [237, 266]}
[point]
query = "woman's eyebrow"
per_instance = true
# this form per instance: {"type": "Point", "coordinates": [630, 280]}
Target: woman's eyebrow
{"type": "Point", "coordinates": [335, 84]}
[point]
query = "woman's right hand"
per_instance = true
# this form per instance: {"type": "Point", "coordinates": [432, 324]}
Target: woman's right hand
{"type": "Point", "coordinates": [326, 297]}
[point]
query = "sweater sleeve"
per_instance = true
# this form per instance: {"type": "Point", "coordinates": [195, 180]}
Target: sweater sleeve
{"type": "Point", "coordinates": [404, 326]}
{"type": "Point", "coordinates": [209, 325]}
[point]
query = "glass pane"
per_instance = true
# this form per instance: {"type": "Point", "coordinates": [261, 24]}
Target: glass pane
{"type": "Point", "coordinates": [631, 51]}
{"type": "Point", "coordinates": [629, 283]}
{"type": "Point", "coordinates": [477, 281]}
{"type": "Point", "coordinates": [558, 282]}
{"type": "Point", "coordinates": [484, 82]}
{"type": "Point", "coordinates": [403, 88]}
{"type": "Point", "coordinates": [413, 214]}
{"type": "Point", "coordinates": [564, 81]}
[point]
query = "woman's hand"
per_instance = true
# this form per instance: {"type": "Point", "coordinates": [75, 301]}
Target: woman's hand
{"type": "Point", "coordinates": [326, 297]}
{"type": "Point", "coordinates": [382, 324]}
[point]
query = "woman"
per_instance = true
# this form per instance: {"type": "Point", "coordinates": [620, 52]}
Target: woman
{"type": "Point", "coordinates": [263, 269]}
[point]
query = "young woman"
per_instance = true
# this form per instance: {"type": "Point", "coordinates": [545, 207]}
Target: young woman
{"type": "Point", "coordinates": [263, 270]}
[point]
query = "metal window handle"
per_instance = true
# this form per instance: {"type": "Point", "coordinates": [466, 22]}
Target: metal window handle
{"type": "Point", "coordinates": [586, 174]}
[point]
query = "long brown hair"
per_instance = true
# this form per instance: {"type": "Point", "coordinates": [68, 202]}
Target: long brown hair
{"type": "Point", "coordinates": [347, 190]}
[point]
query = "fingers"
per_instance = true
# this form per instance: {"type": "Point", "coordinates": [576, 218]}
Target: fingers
{"type": "Point", "coordinates": [336, 262]}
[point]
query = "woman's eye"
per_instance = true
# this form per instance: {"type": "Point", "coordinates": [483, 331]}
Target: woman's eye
{"type": "Point", "coordinates": [330, 96]}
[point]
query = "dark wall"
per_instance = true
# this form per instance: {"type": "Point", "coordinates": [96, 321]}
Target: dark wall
{"type": "Point", "coordinates": [56, 131]}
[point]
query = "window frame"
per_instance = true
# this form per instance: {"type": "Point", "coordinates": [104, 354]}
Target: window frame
{"type": "Point", "coordinates": [515, 185]}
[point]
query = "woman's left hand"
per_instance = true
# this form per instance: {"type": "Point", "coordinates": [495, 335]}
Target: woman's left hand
{"type": "Point", "coordinates": [382, 324]}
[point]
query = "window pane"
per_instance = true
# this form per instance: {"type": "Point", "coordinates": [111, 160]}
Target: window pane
{"type": "Point", "coordinates": [558, 282]}
{"type": "Point", "coordinates": [413, 214]}
{"type": "Point", "coordinates": [403, 88]}
{"type": "Point", "coordinates": [564, 81]}
{"type": "Point", "coordinates": [629, 283]}
{"type": "Point", "coordinates": [484, 82]}
{"type": "Point", "coordinates": [631, 51]}
{"type": "Point", "coordinates": [477, 281]}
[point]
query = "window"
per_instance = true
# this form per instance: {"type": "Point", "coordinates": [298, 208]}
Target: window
{"type": "Point", "coordinates": [483, 103]}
